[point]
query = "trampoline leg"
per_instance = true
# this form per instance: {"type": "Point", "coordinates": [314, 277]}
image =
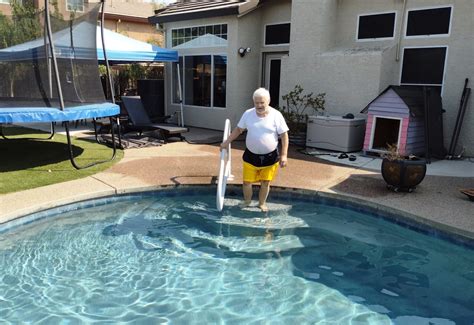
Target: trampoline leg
{"type": "Point", "coordinates": [96, 133]}
{"type": "Point", "coordinates": [119, 132]}
{"type": "Point", "coordinates": [51, 134]}
{"type": "Point", "coordinates": [1, 132]}
{"type": "Point", "coordinates": [71, 154]}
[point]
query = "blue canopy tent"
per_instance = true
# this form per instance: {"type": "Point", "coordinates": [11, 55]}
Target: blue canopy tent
{"type": "Point", "coordinates": [55, 78]}
{"type": "Point", "coordinates": [120, 48]}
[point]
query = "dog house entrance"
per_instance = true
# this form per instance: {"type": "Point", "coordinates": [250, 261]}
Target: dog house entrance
{"type": "Point", "coordinates": [386, 131]}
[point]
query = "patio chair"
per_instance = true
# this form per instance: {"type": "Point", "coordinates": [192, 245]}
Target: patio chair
{"type": "Point", "coordinates": [140, 121]}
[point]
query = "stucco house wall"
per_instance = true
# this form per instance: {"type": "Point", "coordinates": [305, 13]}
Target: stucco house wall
{"type": "Point", "coordinates": [243, 73]}
{"type": "Point", "coordinates": [326, 57]}
{"type": "Point", "coordinates": [278, 12]}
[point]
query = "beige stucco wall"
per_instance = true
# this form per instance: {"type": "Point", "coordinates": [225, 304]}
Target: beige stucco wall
{"type": "Point", "coordinates": [129, 27]}
{"type": "Point", "coordinates": [276, 12]}
{"type": "Point", "coordinates": [243, 73]}
{"type": "Point", "coordinates": [142, 32]}
{"type": "Point", "coordinates": [5, 9]}
{"type": "Point", "coordinates": [327, 58]}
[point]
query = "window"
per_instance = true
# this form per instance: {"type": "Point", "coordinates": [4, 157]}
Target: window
{"type": "Point", "coordinates": [203, 80]}
{"type": "Point", "coordinates": [220, 79]}
{"type": "Point", "coordinates": [5, 1]}
{"type": "Point", "coordinates": [428, 22]}
{"type": "Point", "coordinates": [197, 80]}
{"type": "Point", "coordinates": [423, 65]}
{"type": "Point", "coordinates": [210, 35]}
{"type": "Point", "coordinates": [376, 26]}
{"type": "Point", "coordinates": [75, 5]}
{"type": "Point", "coordinates": [277, 34]}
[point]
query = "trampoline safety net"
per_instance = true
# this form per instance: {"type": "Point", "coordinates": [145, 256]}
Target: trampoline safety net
{"type": "Point", "coordinates": [28, 89]}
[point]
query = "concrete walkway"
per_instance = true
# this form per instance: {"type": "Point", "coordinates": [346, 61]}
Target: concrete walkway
{"type": "Point", "coordinates": [436, 201]}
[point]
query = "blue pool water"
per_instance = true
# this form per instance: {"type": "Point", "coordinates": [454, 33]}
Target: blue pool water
{"type": "Point", "coordinates": [170, 257]}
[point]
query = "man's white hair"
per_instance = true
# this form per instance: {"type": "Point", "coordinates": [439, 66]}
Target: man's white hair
{"type": "Point", "coordinates": [262, 93]}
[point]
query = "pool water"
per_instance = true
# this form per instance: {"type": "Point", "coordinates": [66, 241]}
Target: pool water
{"type": "Point", "coordinates": [171, 257]}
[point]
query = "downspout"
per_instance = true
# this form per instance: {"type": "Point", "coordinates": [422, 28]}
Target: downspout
{"type": "Point", "coordinates": [397, 58]}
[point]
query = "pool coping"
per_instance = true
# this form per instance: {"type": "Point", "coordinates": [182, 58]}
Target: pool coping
{"type": "Point", "coordinates": [391, 214]}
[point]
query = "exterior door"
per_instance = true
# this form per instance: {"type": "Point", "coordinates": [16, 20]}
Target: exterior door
{"type": "Point", "coordinates": [272, 71]}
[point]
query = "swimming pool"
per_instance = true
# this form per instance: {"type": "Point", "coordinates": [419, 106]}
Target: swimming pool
{"type": "Point", "coordinates": [169, 256]}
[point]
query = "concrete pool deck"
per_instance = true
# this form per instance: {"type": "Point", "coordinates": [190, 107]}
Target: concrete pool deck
{"type": "Point", "coordinates": [436, 201]}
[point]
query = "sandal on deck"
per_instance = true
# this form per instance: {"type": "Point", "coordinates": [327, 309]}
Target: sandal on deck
{"type": "Point", "coordinates": [469, 192]}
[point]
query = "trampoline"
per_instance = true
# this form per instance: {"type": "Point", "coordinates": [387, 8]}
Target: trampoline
{"type": "Point", "coordinates": [54, 77]}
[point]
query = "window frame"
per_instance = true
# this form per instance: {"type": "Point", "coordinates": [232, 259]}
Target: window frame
{"type": "Point", "coordinates": [265, 34]}
{"type": "Point", "coordinates": [183, 87]}
{"type": "Point", "coordinates": [72, 10]}
{"type": "Point", "coordinates": [430, 35]}
{"type": "Point", "coordinates": [375, 39]}
{"type": "Point", "coordinates": [197, 27]}
{"type": "Point", "coordinates": [420, 47]}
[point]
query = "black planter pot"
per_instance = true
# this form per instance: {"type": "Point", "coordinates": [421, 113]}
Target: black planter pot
{"type": "Point", "coordinates": [297, 134]}
{"type": "Point", "coordinates": [403, 175]}
{"type": "Point", "coordinates": [298, 139]}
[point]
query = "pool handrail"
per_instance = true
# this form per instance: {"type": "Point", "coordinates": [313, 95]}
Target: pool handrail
{"type": "Point", "coordinates": [224, 168]}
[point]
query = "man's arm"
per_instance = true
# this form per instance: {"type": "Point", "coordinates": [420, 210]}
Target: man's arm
{"type": "Point", "coordinates": [234, 135]}
{"type": "Point", "coordinates": [284, 149]}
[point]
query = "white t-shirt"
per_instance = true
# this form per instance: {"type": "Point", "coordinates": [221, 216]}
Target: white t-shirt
{"type": "Point", "coordinates": [262, 132]}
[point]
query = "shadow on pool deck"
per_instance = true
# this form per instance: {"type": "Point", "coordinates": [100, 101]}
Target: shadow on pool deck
{"type": "Point", "coordinates": [436, 199]}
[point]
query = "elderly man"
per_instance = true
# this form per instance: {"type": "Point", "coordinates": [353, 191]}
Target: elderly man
{"type": "Point", "coordinates": [264, 125]}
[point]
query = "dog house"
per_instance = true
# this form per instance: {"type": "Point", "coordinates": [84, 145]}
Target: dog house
{"type": "Point", "coordinates": [396, 116]}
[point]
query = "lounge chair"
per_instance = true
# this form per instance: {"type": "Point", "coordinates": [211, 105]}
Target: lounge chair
{"type": "Point", "coordinates": [140, 121]}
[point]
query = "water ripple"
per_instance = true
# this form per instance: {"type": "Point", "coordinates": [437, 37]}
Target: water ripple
{"type": "Point", "coordinates": [163, 260]}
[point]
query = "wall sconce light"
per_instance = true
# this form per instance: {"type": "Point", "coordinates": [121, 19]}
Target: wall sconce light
{"type": "Point", "coordinates": [243, 51]}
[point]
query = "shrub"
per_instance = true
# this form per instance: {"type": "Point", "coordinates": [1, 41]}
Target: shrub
{"type": "Point", "coordinates": [299, 106]}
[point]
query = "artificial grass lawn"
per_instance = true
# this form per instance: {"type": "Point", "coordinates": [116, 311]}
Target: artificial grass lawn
{"type": "Point", "coordinates": [26, 164]}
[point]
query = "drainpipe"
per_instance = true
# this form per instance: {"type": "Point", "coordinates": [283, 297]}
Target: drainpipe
{"type": "Point", "coordinates": [397, 58]}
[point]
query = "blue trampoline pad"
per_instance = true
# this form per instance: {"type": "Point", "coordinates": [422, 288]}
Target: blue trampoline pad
{"type": "Point", "coordinates": [9, 115]}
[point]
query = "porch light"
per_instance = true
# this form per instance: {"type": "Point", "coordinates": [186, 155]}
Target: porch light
{"type": "Point", "coordinates": [243, 51]}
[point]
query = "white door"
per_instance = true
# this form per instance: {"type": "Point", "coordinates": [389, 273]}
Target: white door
{"type": "Point", "coordinates": [271, 73]}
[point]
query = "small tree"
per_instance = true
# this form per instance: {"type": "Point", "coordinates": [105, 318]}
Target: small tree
{"type": "Point", "coordinates": [25, 23]}
{"type": "Point", "coordinates": [299, 106]}
{"type": "Point", "coordinates": [22, 26]}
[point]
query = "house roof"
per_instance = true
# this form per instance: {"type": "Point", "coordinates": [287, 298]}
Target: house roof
{"type": "Point", "coordinates": [412, 96]}
{"type": "Point", "coordinates": [196, 9]}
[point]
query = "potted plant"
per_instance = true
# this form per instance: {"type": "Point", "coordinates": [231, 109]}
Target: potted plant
{"type": "Point", "coordinates": [296, 110]}
{"type": "Point", "coordinates": [402, 173]}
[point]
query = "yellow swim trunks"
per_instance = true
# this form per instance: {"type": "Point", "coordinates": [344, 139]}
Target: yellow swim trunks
{"type": "Point", "coordinates": [260, 167]}
{"type": "Point", "coordinates": [254, 174]}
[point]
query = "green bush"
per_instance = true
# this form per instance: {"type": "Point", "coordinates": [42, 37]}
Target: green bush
{"type": "Point", "coordinates": [299, 106]}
